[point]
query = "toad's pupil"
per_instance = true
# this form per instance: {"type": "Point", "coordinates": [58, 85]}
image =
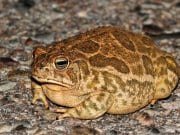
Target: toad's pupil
{"type": "Point", "coordinates": [61, 63]}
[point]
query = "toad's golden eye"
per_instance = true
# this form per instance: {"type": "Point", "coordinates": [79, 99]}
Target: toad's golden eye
{"type": "Point", "coordinates": [61, 63]}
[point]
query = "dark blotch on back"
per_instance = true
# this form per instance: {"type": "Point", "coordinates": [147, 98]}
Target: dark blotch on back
{"type": "Point", "coordinates": [171, 64]}
{"type": "Point", "coordinates": [147, 41]}
{"type": "Point", "coordinates": [161, 66]}
{"type": "Point", "coordinates": [102, 61]}
{"type": "Point", "coordinates": [148, 65]}
{"type": "Point", "coordinates": [88, 46]}
{"type": "Point", "coordinates": [124, 40]}
{"type": "Point", "coordinates": [137, 69]}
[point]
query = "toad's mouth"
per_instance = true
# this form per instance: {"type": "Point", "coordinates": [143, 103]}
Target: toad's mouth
{"type": "Point", "coordinates": [63, 83]}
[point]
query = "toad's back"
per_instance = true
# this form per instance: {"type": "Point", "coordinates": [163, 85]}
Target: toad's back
{"type": "Point", "coordinates": [124, 51]}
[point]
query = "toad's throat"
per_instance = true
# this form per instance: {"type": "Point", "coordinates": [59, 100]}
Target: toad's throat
{"type": "Point", "coordinates": [53, 83]}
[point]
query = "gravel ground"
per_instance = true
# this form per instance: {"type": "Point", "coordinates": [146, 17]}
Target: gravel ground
{"type": "Point", "coordinates": [25, 24]}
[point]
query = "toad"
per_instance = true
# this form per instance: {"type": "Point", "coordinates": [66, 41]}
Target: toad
{"type": "Point", "coordinates": [105, 70]}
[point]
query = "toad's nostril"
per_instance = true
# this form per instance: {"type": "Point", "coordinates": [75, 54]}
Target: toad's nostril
{"type": "Point", "coordinates": [46, 69]}
{"type": "Point", "coordinates": [42, 66]}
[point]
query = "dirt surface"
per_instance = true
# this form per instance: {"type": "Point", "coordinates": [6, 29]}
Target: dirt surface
{"type": "Point", "coordinates": [25, 24]}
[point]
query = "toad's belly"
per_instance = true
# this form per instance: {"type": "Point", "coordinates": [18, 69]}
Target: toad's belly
{"type": "Point", "coordinates": [64, 98]}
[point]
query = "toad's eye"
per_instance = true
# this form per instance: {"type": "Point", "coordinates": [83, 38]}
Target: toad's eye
{"type": "Point", "coordinates": [61, 63]}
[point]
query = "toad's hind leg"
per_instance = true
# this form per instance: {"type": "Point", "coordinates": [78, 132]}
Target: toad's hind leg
{"type": "Point", "coordinates": [38, 94]}
{"type": "Point", "coordinates": [96, 105]}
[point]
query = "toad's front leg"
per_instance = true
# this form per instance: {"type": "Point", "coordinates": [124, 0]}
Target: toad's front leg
{"type": "Point", "coordinates": [96, 105]}
{"type": "Point", "coordinates": [38, 94]}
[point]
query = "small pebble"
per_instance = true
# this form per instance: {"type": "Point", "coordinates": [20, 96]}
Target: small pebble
{"type": "Point", "coordinates": [25, 4]}
{"type": "Point", "coordinates": [3, 51]}
{"type": "Point", "coordinates": [171, 105]}
{"type": "Point", "coordinates": [80, 130]}
{"type": "Point", "coordinates": [145, 119]}
{"type": "Point", "coordinates": [154, 130]}
{"type": "Point", "coordinates": [19, 55]}
{"type": "Point", "coordinates": [7, 86]}
{"type": "Point", "coordinates": [8, 61]}
{"type": "Point", "coordinates": [152, 29]}
{"type": "Point", "coordinates": [82, 14]}
{"type": "Point", "coordinates": [111, 132]}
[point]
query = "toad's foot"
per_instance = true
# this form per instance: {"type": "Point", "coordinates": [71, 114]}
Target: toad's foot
{"type": "Point", "coordinates": [153, 101]}
{"type": "Point", "coordinates": [96, 105]}
{"type": "Point", "coordinates": [61, 110]}
{"type": "Point", "coordinates": [39, 95]}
